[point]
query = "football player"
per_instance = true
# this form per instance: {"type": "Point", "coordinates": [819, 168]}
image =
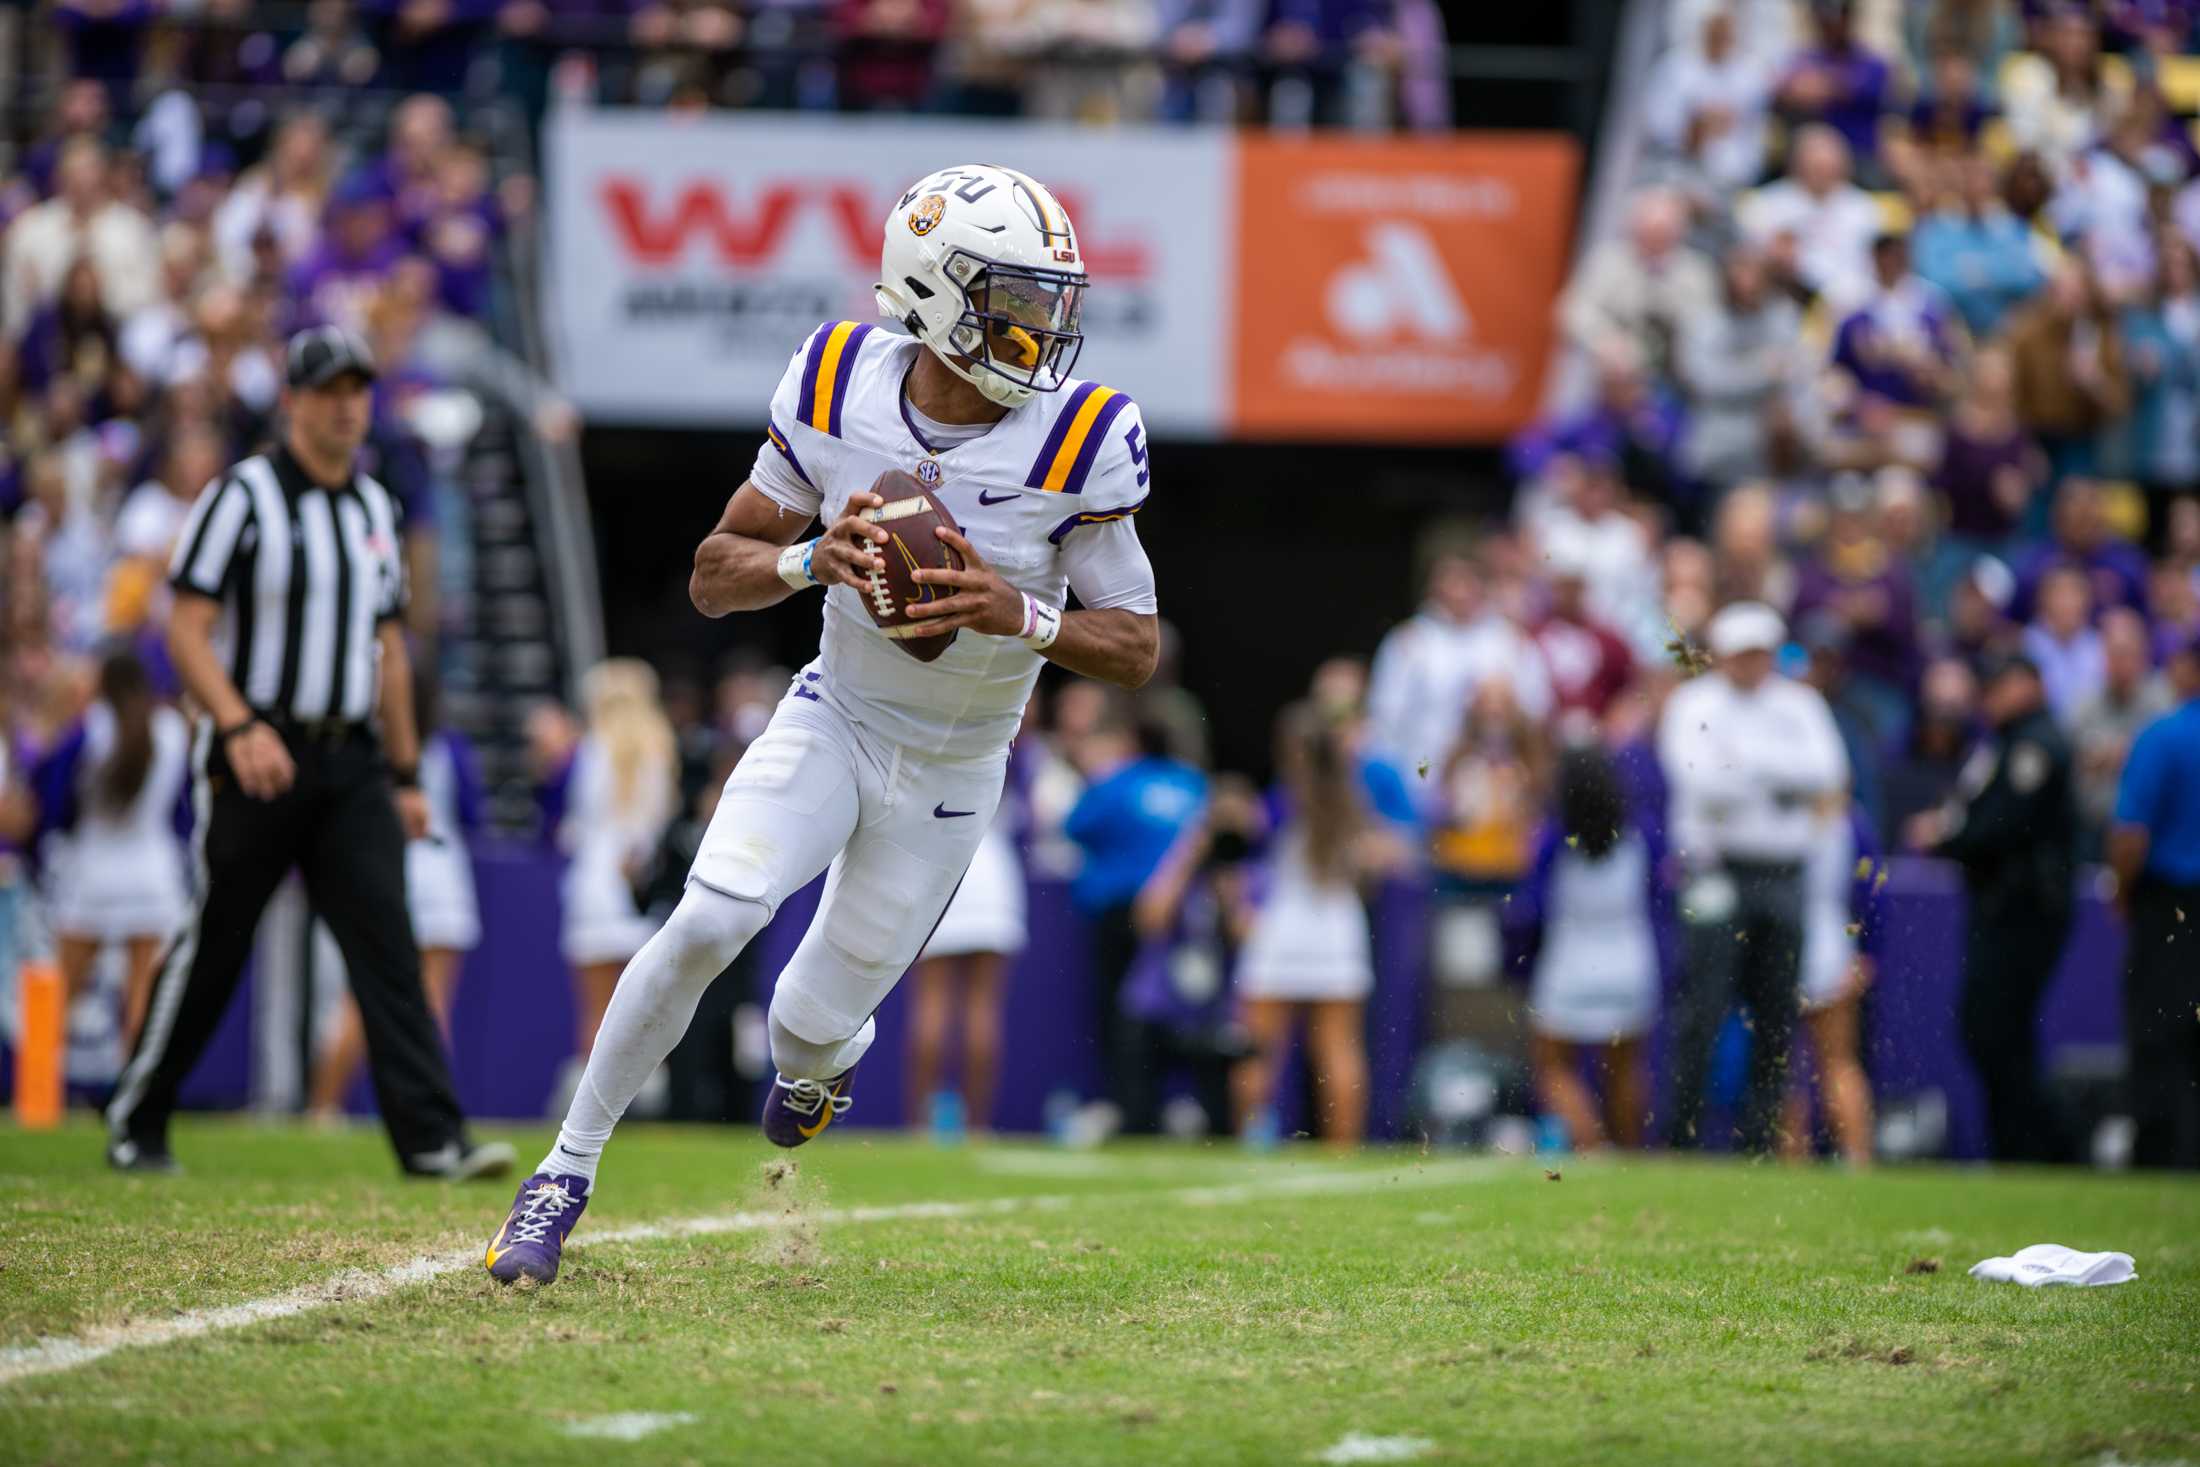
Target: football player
{"type": "Point", "coordinates": [882, 766]}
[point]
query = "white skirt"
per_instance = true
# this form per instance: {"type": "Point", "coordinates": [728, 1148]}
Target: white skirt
{"type": "Point", "coordinates": [987, 913]}
{"type": "Point", "coordinates": [111, 892]}
{"type": "Point", "coordinates": [1309, 945]}
{"type": "Point", "coordinates": [439, 892]}
{"type": "Point", "coordinates": [1829, 954]}
{"type": "Point", "coordinates": [1589, 1007]}
{"type": "Point", "coordinates": [602, 924]}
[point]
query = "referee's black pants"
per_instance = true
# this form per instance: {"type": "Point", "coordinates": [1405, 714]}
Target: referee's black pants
{"type": "Point", "coordinates": [2162, 1024]}
{"type": "Point", "coordinates": [1753, 955]}
{"type": "Point", "coordinates": [337, 824]}
{"type": "Point", "coordinates": [2011, 950]}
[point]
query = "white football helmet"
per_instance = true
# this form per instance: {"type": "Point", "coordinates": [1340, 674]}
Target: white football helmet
{"type": "Point", "coordinates": [982, 266]}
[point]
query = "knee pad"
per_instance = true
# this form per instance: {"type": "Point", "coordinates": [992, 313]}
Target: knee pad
{"type": "Point", "coordinates": [709, 929]}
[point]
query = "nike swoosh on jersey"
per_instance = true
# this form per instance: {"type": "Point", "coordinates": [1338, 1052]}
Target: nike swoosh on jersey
{"type": "Point", "coordinates": [985, 498]}
{"type": "Point", "coordinates": [941, 812]}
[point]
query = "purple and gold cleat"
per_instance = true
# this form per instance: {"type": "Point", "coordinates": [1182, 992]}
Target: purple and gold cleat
{"type": "Point", "coordinates": [532, 1238]}
{"type": "Point", "coordinates": [796, 1110]}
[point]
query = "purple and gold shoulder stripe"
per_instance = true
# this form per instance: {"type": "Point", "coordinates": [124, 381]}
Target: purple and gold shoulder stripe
{"type": "Point", "coordinates": [826, 371]}
{"type": "Point", "coordinates": [1072, 447]}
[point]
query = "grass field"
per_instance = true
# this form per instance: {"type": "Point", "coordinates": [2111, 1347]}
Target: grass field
{"type": "Point", "coordinates": [893, 1303]}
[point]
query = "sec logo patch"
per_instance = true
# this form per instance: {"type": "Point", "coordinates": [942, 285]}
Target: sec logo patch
{"type": "Point", "coordinates": [928, 472]}
{"type": "Point", "coordinates": [926, 216]}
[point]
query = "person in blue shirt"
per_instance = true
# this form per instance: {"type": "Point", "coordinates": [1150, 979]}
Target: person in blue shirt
{"type": "Point", "coordinates": [1139, 802]}
{"type": "Point", "coordinates": [2155, 850]}
{"type": "Point", "coordinates": [1983, 256]}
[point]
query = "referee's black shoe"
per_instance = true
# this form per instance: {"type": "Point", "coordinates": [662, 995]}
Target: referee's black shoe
{"type": "Point", "coordinates": [463, 1161]}
{"type": "Point", "coordinates": [128, 1156]}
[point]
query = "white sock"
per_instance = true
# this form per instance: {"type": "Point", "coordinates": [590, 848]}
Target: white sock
{"type": "Point", "coordinates": [650, 1009]}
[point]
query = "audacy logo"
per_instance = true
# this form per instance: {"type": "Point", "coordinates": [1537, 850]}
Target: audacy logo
{"type": "Point", "coordinates": [1398, 322]}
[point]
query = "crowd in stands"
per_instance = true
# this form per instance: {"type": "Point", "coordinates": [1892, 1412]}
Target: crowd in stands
{"type": "Point", "coordinates": [149, 274]}
{"type": "Point", "coordinates": [1366, 63]}
{"type": "Point", "coordinates": [1899, 338]}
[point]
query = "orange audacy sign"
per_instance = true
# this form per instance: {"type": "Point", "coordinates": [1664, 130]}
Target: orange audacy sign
{"type": "Point", "coordinates": [1397, 290]}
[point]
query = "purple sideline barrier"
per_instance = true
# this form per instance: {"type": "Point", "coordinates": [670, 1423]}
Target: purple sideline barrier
{"type": "Point", "coordinates": [512, 1027]}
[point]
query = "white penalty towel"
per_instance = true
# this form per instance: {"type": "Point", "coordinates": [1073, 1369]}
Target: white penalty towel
{"type": "Point", "coordinates": [2051, 1263]}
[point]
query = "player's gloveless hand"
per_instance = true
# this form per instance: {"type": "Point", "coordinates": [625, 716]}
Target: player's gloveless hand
{"type": "Point", "coordinates": [981, 600]}
{"type": "Point", "coordinates": [847, 553]}
{"type": "Point", "coordinates": [261, 762]}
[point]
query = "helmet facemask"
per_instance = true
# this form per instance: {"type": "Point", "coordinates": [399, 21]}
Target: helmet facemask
{"type": "Point", "coordinates": [1018, 333]}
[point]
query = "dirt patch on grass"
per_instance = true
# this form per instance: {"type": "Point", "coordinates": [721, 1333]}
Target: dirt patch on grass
{"type": "Point", "coordinates": [1865, 1352]}
{"type": "Point", "coordinates": [791, 1243]}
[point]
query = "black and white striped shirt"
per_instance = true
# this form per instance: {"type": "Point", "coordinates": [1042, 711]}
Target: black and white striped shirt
{"type": "Point", "coordinates": [305, 575]}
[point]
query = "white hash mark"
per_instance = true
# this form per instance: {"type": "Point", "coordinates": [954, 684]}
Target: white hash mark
{"type": "Point", "coordinates": [629, 1426]}
{"type": "Point", "coordinates": [1360, 1447]}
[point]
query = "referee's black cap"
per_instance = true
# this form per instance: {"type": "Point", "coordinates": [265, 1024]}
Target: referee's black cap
{"type": "Point", "coordinates": [319, 355]}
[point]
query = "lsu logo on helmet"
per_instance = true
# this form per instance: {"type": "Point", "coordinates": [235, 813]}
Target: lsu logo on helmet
{"type": "Point", "coordinates": [993, 283]}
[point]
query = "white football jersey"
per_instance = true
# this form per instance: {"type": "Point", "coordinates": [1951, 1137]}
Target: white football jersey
{"type": "Point", "coordinates": [1024, 493]}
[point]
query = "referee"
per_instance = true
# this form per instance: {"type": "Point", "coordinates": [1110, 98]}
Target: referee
{"type": "Point", "coordinates": [289, 590]}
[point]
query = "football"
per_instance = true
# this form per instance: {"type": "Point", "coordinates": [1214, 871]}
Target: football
{"type": "Point", "coordinates": [911, 515]}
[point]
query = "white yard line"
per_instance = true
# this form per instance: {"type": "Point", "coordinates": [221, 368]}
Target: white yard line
{"type": "Point", "coordinates": [52, 1355]}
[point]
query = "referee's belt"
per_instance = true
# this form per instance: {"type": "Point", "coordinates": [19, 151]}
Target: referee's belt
{"type": "Point", "coordinates": [326, 731]}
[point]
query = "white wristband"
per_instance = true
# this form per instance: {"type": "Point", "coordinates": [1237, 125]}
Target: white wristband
{"type": "Point", "coordinates": [1042, 624]}
{"type": "Point", "coordinates": [794, 565]}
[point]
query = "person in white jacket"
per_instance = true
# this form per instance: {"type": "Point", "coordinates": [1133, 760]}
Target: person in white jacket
{"type": "Point", "coordinates": [1429, 668]}
{"type": "Point", "coordinates": [1748, 756]}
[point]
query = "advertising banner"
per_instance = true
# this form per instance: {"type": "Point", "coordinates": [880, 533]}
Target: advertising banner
{"type": "Point", "coordinates": [1345, 288]}
{"type": "Point", "coordinates": [691, 256]}
{"type": "Point", "coordinates": [1398, 289]}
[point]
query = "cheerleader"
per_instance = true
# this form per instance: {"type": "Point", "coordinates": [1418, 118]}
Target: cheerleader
{"type": "Point", "coordinates": [439, 893]}
{"type": "Point", "coordinates": [1308, 950]}
{"type": "Point", "coordinates": [109, 794]}
{"type": "Point", "coordinates": [625, 781]}
{"type": "Point", "coordinates": [966, 965]}
{"type": "Point", "coordinates": [1841, 879]}
{"type": "Point", "coordinates": [1590, 909]}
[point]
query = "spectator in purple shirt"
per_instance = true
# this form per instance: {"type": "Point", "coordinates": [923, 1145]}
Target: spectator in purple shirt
{"type": "Point", "coordinates": [1900, 344]}
{"type": "Point", "coordinates": [358, 250]}
{"type": "Point", "coordinates": [1861, 584]}
{"type": "Point", "coordinates": [1632, 423]}
{"type": "Point", "coordinates": [2114, 568]}
{"type": "Point", "coordinates": [429, 45]}
{"type": "Point", "coordinates": [70, 335]}
{"type": "Point", "coordinates": [421, 132]}
{"type": "Point", "coordinates": [105, 38]}
{"type": "Point", "coordinates": [2175, 602]}
{"type": "Point", "coordinates": [1837, 81]}
{"type": "Point", "coordinates": [1947, 118]}
{"type": "Point", "coordinates": [459, 231]}
{"type": "Point", "coordinates": [1989, 466]}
